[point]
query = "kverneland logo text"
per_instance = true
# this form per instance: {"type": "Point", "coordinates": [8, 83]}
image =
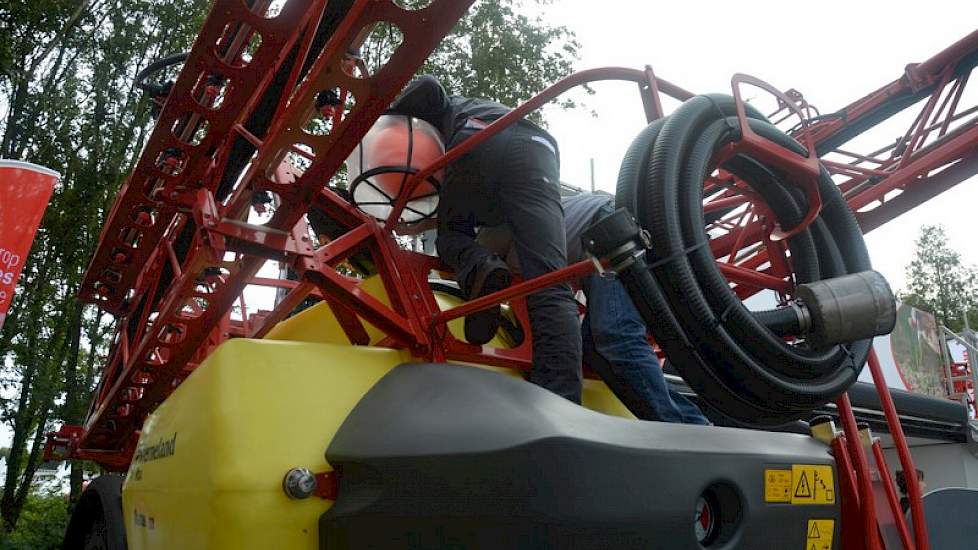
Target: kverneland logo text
{"type": "Point", "coordinates": [162, 449]}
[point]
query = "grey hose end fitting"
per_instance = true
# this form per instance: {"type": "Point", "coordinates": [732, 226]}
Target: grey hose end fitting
{"type": "Point", "coordinates": [848, 308]}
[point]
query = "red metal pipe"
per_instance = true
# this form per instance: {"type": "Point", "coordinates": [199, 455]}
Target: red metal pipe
{"type": "Point", "coordinates": [850, 504]}
{"type": "Point", "coordinates": [903, 451]}
{"type": "Point", "coordinates": [276, 283]}
{"type": "Point", "coordinates": [922, 125]}
{"type": "Point", "coordinates": [920, 191]}
{"type": "Point", "coordinates": [653, 107]}
{"type": "Point", "coordinates": [569, 273]}
{"type": "Point", "coordinates": [953, 91]}
{"type": "Point", "coordinates": [947, 152]}
{"type": "Point", "coordinates": [840, 451]}
{"type": "Point", "coordinates": [517, 114]}
{"type": "Point", "coordinates": [853, 170]}
{"type": "Point", "coordinates": [244, 313]}
{"type": "Point", "coordinates": [858, 157]}
{"type": "Point", "coordinates": [950, 55]}
{"type": "Point", "coordinates": [725, 202]}
{"type": "Point", "coordinates": [961, 83]}
{"type": "Point", "coordinates": [866, 500]}
{"type": "Point", "coordinates": [750, 215]}
{"type": "Point", "coordinates": [251, 138]}
{"type": "Point", "coordinates": [172, 255]}
{"type": "Point", "coordinates": [753, 278]}
{"type": "Point", "coordinates": [282, 310]}
{"type": "Point", "coordinates": [891, 496]}
{"type": "Point", "coordinates": [317, 7]}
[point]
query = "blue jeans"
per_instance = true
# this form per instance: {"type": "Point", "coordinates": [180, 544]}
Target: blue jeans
{"type": "Point", "coordinates": [613, 329]}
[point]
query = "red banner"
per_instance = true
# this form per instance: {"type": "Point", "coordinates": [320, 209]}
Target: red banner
{"type": "Point", "coordinates": [25, 189]}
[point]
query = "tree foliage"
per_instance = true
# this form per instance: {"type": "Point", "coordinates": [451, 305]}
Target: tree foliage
{"type": "Point", "coordinates": [938, 281]}
{"type": "Point", "coordinates": [66, 88]}
{"type": "Point", "coordinates": [42, 524]}
{"type": "Point", "coordinates": [494, 52]}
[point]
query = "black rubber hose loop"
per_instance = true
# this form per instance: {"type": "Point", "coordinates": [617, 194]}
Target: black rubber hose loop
{"type": "Point", "coordinates": [745, 325]}
{"type": "Point", "coordinates": [157, 89]}
{"type": "Point", "coordinates": [734, 358]}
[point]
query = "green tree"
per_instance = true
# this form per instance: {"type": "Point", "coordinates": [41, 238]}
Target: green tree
{"type": "Point", "coordinates": [66, 82]}
{"type": "Point", "coordinates": [938, 282]}
{"type": "Point", "coordinates": [494, 52]}
{"type": "Point", "coordinates": [41, 526]}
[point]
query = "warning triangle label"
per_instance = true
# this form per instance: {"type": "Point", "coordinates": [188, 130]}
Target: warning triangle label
{"type": "Point", "coordinates": [813, 533]}
{"type": "Point", "coordinates": [813, 547]}
{"type": "Point", "coordinates": [803, 490]}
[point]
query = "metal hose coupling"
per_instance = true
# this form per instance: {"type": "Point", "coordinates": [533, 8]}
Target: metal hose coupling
{"type": "Point", "coordinates": [847, 308]}
{"type": "Point", "coordinates": [616, 240]}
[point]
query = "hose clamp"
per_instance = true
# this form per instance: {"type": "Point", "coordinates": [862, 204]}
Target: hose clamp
{"type": "Point", "coordinates": [646, 238]}
{"type": "Point", "coordinates": [804, 317]}
{"type": "Point", "coordinates": [623, 257]}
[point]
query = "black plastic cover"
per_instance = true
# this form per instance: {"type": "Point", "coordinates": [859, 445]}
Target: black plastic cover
{"type": "Point", "coordinates": [446, 456]}
{"type": "Point", "coordinates": [951, 515]}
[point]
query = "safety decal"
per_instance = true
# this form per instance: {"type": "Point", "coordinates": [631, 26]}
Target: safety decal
{"type": "Point", "coordinates": [802, 484]}
{"type": "Point", "coordinates": [812, 484]}
{"type": "Point", "coordinates": [777, 485]}
{"type": "Point", "coordinates": [819, 534]}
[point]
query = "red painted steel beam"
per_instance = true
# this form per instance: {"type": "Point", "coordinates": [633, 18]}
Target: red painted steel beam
{"type": "Point", "coordinates": [753, 278]}
{"type": "Point", "coordinates": [915, 77]}
{"type": "Point", "coordinates": [247, 82]}
{"type": "Point", "coordinates": [950, 151]}
{"type": "Point", "coordinates": [918, 192]}
{"type": "Point", "coordinates": [115, 418]}
{"type": "Point", "coordinates": [926, 72]}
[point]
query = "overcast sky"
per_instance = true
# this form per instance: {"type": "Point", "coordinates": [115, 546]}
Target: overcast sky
{"type": "Point", "coordinates": [833, 52]}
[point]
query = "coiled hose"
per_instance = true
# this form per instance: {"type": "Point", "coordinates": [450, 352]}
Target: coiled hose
{"type": "Point", "coordinates": [737, 360]}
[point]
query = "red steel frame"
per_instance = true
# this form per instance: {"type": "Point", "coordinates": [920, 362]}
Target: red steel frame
{"type": "Point", "coordinates": [167, 191]}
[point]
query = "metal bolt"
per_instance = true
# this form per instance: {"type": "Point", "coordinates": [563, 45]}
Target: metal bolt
{"type": "Point", "coordinates": [174, 195]}
{"type": "Point", "coordinates": [299, 483]}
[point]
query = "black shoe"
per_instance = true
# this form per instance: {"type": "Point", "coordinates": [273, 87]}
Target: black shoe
{"type": "Point", "coordinates": [492, 275]}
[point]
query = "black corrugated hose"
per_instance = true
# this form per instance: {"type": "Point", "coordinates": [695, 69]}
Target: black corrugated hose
{"type": "Point", "coordinates": [734, 358]}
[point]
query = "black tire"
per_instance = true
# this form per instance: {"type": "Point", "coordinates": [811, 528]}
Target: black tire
{"type": "Point", "coordinates": [97, 521]}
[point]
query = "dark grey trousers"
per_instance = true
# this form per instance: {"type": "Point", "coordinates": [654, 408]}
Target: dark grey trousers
{"type": "Point", "coordinates": [513, 179]}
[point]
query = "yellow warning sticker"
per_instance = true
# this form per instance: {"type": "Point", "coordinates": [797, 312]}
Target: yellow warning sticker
{"type": "Point", "coordinates": [812, 484]}
{"type": "Point", "coordinates": [820, 534]}
{"type": "Point", "coordinates": [777, 485]}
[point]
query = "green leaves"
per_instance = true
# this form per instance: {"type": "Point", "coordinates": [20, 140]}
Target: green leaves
{"type": "Point", "coordinates": [495, 52]}
{"type": "Point", "coordinates": [940, 283]}
{"type": "Point", "coordinates": [66, 84]}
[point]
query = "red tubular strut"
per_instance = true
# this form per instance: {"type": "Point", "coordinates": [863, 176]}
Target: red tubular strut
{"type": "Point", "coordinates": [903, 451]}
{"type": "Point", "coordinates": [891, 496]}
{"type": "Point", "coordinates": [867, 507]}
